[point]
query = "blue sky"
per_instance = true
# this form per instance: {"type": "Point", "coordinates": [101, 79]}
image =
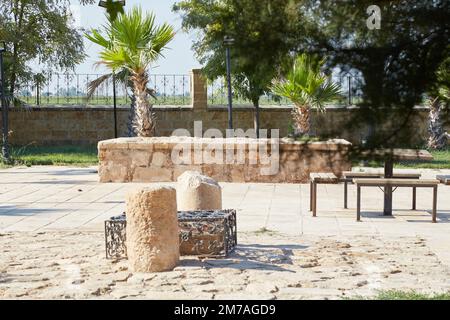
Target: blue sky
{"type": "Point", "coordinates": [179, 59]}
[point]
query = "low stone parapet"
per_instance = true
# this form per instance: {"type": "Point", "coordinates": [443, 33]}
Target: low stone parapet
{"type": "Point", "coordinates": [164, 159]}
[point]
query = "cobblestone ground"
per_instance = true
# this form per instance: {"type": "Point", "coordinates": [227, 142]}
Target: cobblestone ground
{"type": "Point", "coordinates": [71, 265]}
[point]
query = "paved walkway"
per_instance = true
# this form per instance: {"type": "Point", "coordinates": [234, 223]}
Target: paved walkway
{"type": "Point", "coordinates": [40, 199]}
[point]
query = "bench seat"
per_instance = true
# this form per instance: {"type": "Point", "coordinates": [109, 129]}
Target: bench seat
{"type": "Point", "coordinates": [353, 175]}
{"type": "Point", "coordinates": [315, 179]}
{"type": "Point", "coordinates": [396, 182]}
{"type": "Point", "coordinates": [324, 177]}
{"type": "Point", "coordinates": [444, 179]}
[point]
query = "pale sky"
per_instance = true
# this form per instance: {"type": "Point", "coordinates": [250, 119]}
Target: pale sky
{"type": "Point", "coordinates": [179, 59]}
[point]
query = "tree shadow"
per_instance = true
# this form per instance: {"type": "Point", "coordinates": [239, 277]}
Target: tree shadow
{"type": "Point", "coordinates": [375, 214]}
{"type": "Point", "coordinates": [441, 215]}
{"type": "Point", "coordinates": [54, 182]}
{"type": "Point", "coordinates": [73, 172]}
{"type": "Point", "coordinates": [5, 278]}
{"type": "Point", "coordinates": [14, 211]}
{"type": "Point", "coordinates": [251, 257]}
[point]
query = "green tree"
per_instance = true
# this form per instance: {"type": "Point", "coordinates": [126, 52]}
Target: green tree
{"type": "Point", "coordinates": [397, 62]}
{"type": "Point", "coordinates": [307, 87]}
{"type": "Point", "coordinates": [133, 42]}
{"type": "Point", "coordinates": [261, 30]}
{"type": "Point", "coordinates": [37, 30]}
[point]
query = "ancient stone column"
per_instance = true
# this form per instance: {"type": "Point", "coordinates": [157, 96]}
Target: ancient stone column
{"type": "Point", "coordinates": [152, 229]}
{"type": "Point", "coordinates": [198, 192]}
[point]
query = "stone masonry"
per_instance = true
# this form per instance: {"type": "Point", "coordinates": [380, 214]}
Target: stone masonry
{"type": "Point", "coordinates": [164, 159]}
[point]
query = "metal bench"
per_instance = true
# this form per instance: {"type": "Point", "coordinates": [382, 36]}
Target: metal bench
{"type": "Point", "coordinates": [444, 179]}
{"type": "Point", "coordinates": [348, 176]}
{"type": "Point", "coordinates": [315, 179]}
{"type": "Point", "coordinates": [396, 183]}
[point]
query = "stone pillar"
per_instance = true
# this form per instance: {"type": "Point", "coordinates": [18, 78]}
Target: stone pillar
{"type": "Point", "coordinates": [199, 90]}
{"type": "Point", "coordinates": [198, 192]}
{"type": "Point", "coordinates": [152, 230]}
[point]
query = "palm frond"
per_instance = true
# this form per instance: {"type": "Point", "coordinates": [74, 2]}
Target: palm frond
{"type": "Point", "coordinates": [305, 84]}
{"type": "Point", "coordinates": [132, 40]}
{"type": "Point", "coordinates": [95, 84]}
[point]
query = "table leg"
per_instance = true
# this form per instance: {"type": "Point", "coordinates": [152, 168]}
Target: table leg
{"type": "Point", "coordinates": [358, 203]}
{"type": "Point", "coordinates": [345, 194]}
{"type": "Point", "coordinates": [388, 173]}
{"type": "Point", "coordinates": [314, 202]}
{"type": "Point", "coordinates": [310, 196]}
{"type": "Point", "coordinates": [434, 214]}
{"type": "Point", "coordinates": [414, 197]}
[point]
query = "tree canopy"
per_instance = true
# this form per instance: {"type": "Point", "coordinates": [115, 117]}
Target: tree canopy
{"type": "Point", "coordinates": [132, 42]}
{"type": "Point", "coordinates": [261, 32]}
{"type": "Point", "coordinates": [397, 63]}
{"type": "Point", "coordinates": [38, 31]}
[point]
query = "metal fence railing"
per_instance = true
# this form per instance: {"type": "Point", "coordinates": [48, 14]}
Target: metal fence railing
{"type": "Point", "coordinates": [218, 95]}
{"type": "Point", "coordinates": [351, 93]}
{"type": "Point", "coordinates": [71, 89]}
{"type": "Point", "coordinates": [174, 89]}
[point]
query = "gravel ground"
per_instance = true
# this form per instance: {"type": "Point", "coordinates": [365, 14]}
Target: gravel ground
{"type": "Point", "coordinates": [71, 265]}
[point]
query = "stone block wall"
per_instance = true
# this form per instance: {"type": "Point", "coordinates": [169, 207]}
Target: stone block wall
{"type": "Point", "coordinates": [87, 125]}
{"type": "Point", "coordinates": [164, 159]}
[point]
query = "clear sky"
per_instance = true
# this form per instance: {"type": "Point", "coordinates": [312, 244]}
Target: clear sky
{"type": "Point", "coordinates": [179, 59]}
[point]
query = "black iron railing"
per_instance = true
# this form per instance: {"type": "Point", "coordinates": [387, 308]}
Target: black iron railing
{"type": "Point", "coordinates": [72, 89]}
{"type": "Point", "coordinates": [351, 93]}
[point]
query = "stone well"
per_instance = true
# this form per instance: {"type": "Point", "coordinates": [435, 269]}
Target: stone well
{"type": "Point", "coordinates": [164, 159]}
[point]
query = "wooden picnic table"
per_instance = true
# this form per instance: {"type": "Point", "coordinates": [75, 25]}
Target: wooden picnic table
{"type": "Point", "coordinates": [389, 156]}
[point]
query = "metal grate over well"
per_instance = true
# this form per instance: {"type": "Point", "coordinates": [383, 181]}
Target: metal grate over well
{"type": "Point", "coordinates": [202, 233]}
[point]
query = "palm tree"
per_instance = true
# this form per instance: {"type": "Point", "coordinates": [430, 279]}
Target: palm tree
{"type": "Point", "coordinates": [132, 42]}
{"type": "Point", "coordinates": [307, 87]}
{"type": "Point", "coordinates": [123, 76]}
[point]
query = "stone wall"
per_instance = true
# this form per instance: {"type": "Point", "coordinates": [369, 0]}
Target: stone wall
{"type": "Point", "coordinates": [164, 159]}
{"type": "Point", "coordinates": [88, 125]}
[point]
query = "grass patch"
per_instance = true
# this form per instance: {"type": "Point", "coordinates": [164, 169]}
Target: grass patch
{"type": "Point", "coordinates": [441, 161]}
{"type": "Point", "coordinates": [80, 156]}
{"type": "Point", "coordinates": [406, 295]}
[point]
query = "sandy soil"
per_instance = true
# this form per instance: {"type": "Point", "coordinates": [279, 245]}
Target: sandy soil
{"type": "Point", "coordinates": [71, 265]}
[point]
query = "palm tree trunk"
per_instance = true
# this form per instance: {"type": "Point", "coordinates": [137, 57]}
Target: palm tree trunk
{"type": "Point", "coordinates": [144, 122]}
{"type": "Point", "coordinates": [302, 119]}
{"type": "Point", "coordinates": [438, 136]}
{"type": "Point", "coordinates": [256, 117]}
{"type": "Point", "coordinates": [132, 115]}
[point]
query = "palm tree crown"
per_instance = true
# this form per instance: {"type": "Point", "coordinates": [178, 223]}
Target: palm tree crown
{"type": "Point", "coordinates": [133, 42]}
{"type": "Point", "coordinates": [307, 87]}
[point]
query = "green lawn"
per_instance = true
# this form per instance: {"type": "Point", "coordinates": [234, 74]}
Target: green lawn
{"type": "Point", "coordinates": [406, 295]}
{"type": "Point", "coordinates": [82, 156]}
{"type": "Point", "coordinates": [86, 156]}
{"type": "Point", "coordinates": [441, 161]}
